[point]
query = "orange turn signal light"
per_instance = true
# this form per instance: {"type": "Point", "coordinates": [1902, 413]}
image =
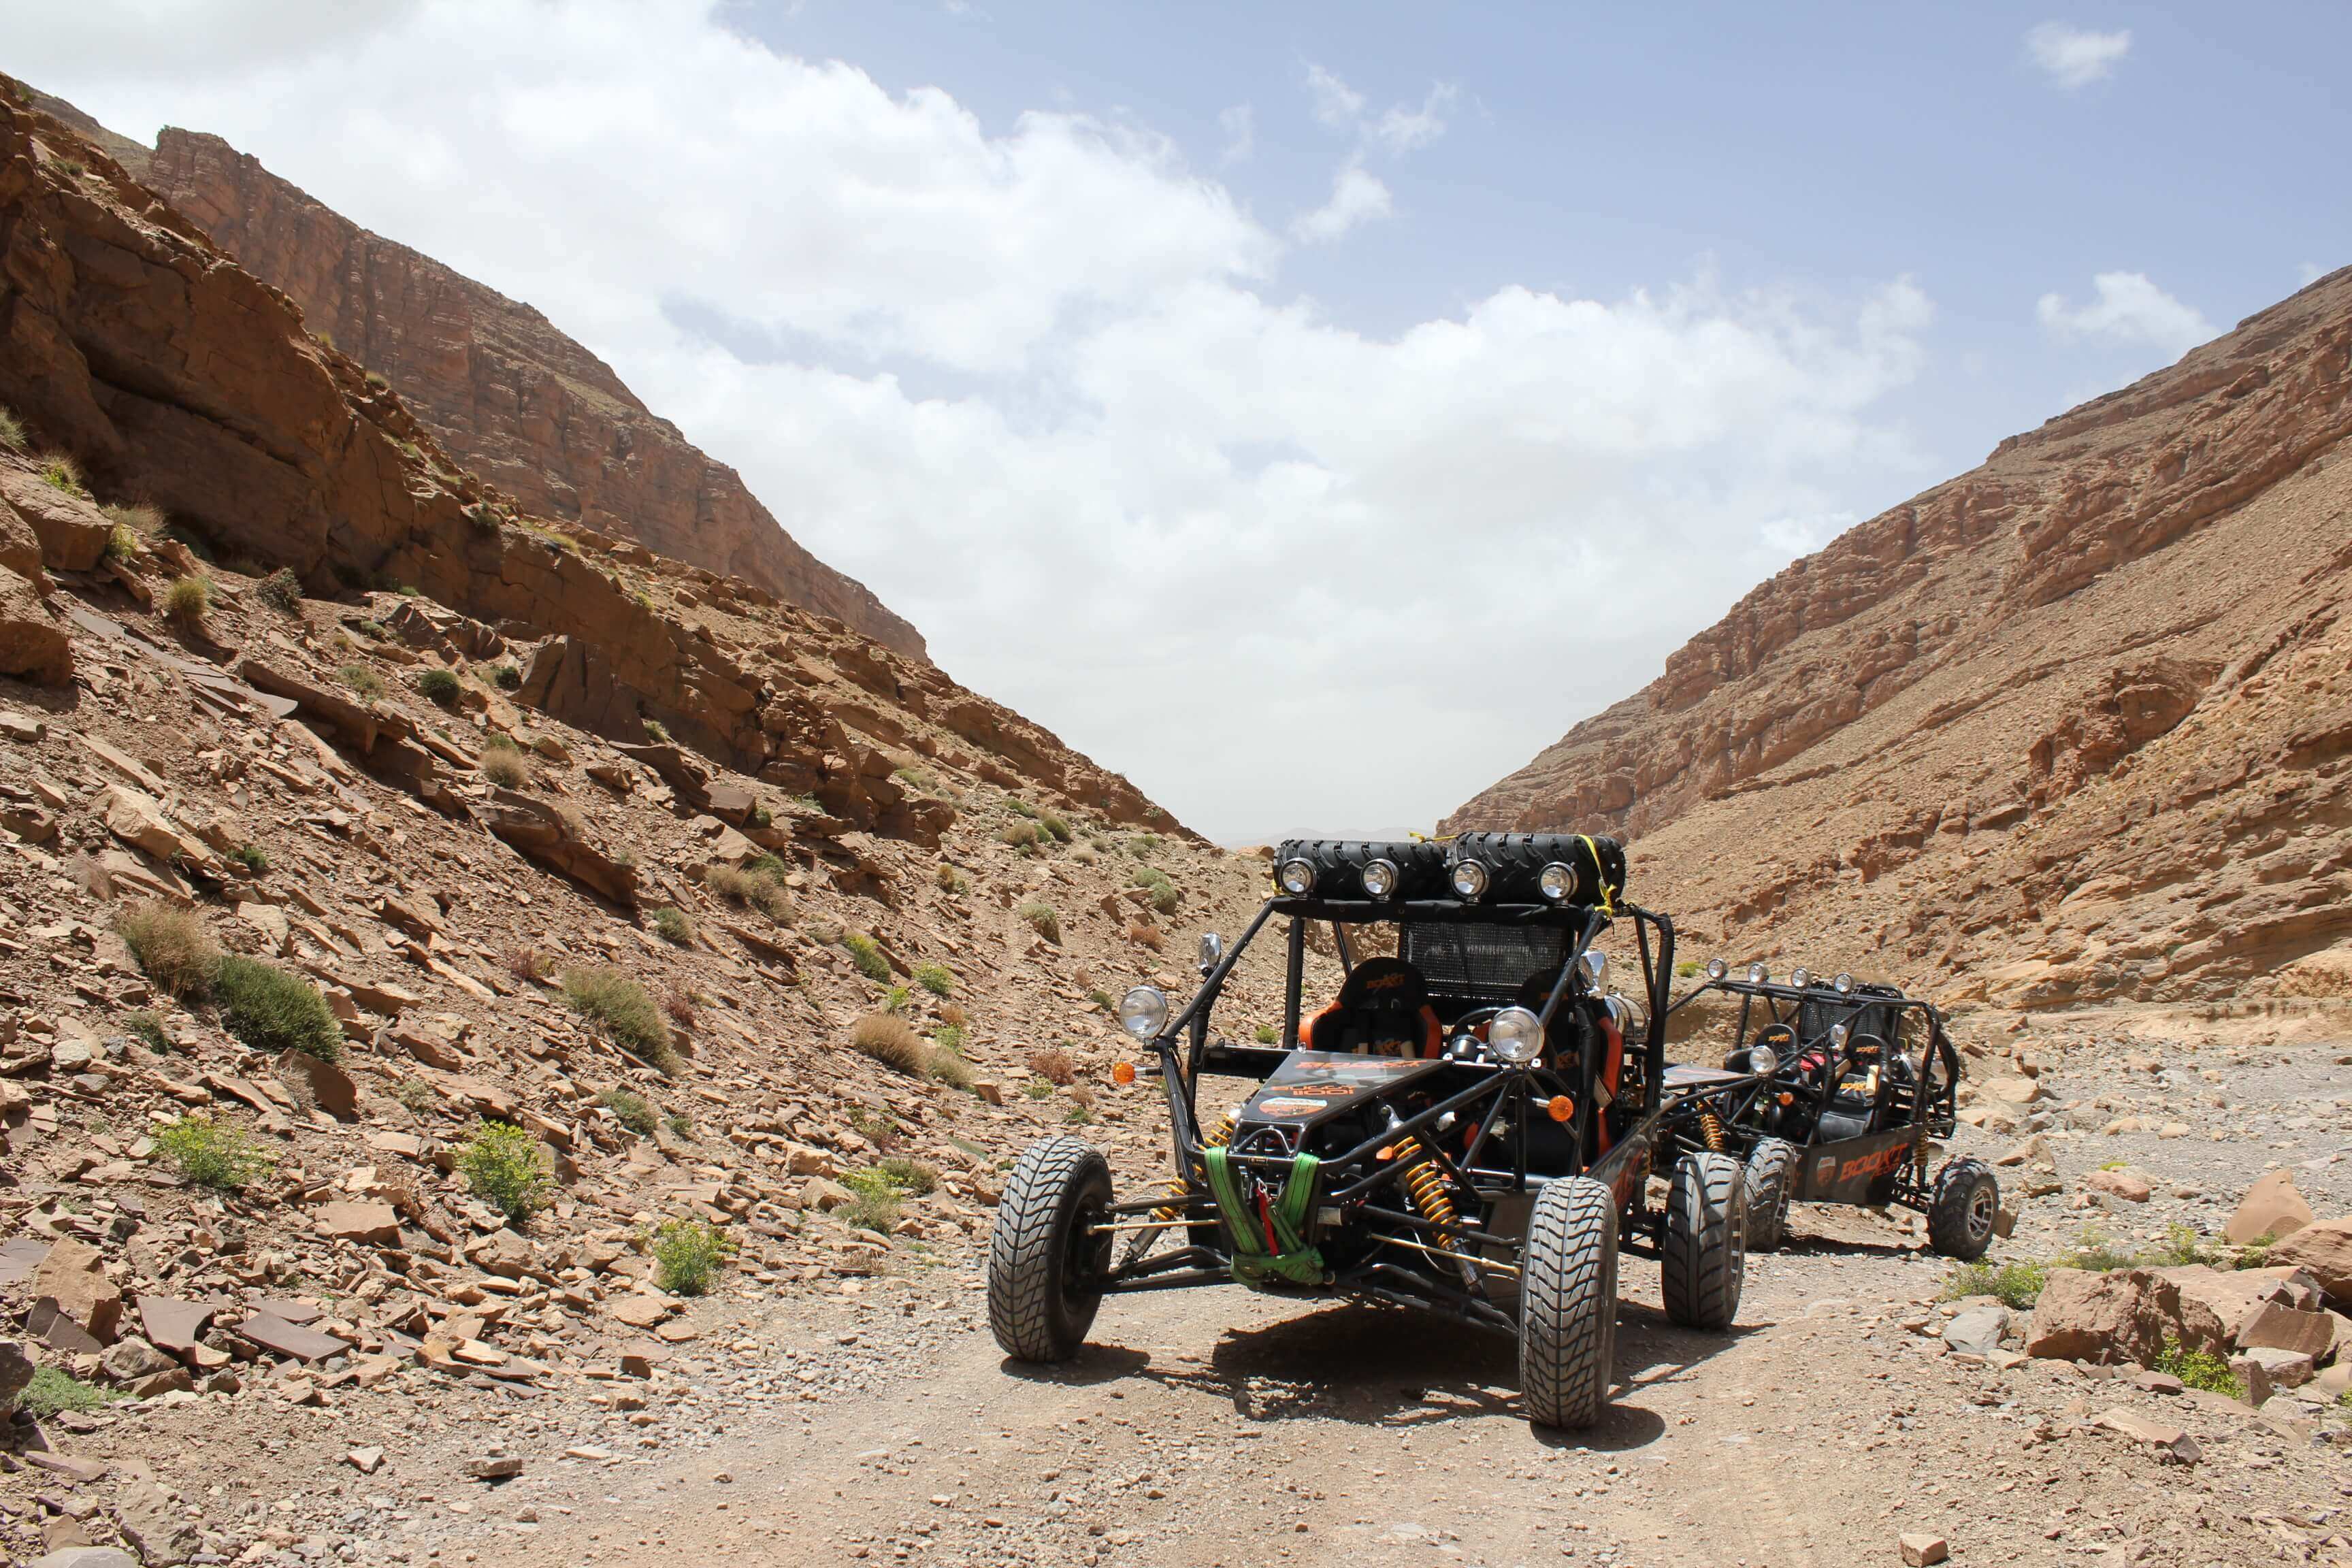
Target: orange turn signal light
{"type": "Point", "coordinates": [1561, 1108]}
{"type": "Point", "coordinates": [1787, 1098]}
{"type": "Point", "coordinates": [1122, 1073]}
{"type": "Point", "coordinates": [1387, 1153]}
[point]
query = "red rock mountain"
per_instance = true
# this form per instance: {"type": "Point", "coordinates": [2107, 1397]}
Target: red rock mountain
{"type": "Point", "coordinates": [2073, 725]}
{"type": "Point", "coordinates": [503, 390]}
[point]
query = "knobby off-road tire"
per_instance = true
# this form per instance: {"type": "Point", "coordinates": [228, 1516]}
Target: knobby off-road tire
{"type": "Point", "coordinates": [1703, 1256]}
{"type": "Point", "coordinates": [1962, 1210]}
{"type": "Point", "coordinates": [1770, 1164]}
{"type": "Point", "coordinates": [1044, 1269]}
{"type": "Point", "coordinates": [1568, 1303]}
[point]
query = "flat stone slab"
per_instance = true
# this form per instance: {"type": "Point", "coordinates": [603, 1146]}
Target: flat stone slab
{"type": "Point", "coordinates": [173, 1326]}
{"type": "Point", "coordinates": [20, 1257]}
{"type": "Point", "coordinates": [298, 1313]}
{"type": "Point", "coordinates": [275, 1334]}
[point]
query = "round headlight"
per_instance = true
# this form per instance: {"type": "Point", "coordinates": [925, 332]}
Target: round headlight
{"type": "Point", "coordinates": [1839, 1034]}
{"type": "Point", "coordinates": [1516, 1035]}
{"type": "Point", "coordinates": [1596, 968]}
{"type": "Point", "coordinates": [1800, 977]}
{"type": "Point", "coordinates": [1717, 969]}
{"type": "Point", "coordinates": [1763, 1059]}
{"type": "Point", "coordinates": [1295, 877]}
{"type": "Point", "coordinates": [1380, 878]}
{"type": "Point", "coordinates": [1845, 983]}
{"type": "Point", "coordinates": [1559, 881]}
{"type": "Point", "coordinates": [1469, 880]}
{"type": "Point", "coordinates": [1757, 974]}
{"type": "Point", "coordinates": [1143, 1011]}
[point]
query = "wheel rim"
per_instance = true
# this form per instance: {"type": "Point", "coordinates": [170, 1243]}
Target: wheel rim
{"type": "Point", "coordinates": [1079, 1258]}
{"type": "Point", "coordinates": [1981, 1205]}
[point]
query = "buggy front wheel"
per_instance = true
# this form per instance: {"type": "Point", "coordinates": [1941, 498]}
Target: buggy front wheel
{"type": "Point", "coordinates": [1962, 1209]}
{"type": "Point", "coordinates": [1045, 1264]}
{"type": "Point", "coordinates": [1704, 1256]}
{"type": "Point", "coordinates": [1568, 1303]}
{"type": "Point", "coordinates": [1769, 1165]}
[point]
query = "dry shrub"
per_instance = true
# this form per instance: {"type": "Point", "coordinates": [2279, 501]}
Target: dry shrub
{"type": "Point", "coordinates": [953, 1015]}
{"type": "Point", "coordinates": [762, 889]}
{"type": "Point", "coordinates": [527, 964]}
{"type": "Point", "coordinates": [1056, 1066]}
{"type": "Point", "coordinates": [173, 947]}
{"type": "Point", "coordinates": [186, 600]}
{"type": "Point", "coordinates": [1081, 1095]}
{"type": "Point", "coordinates": [1043, 920]}
{"type": "Point", "coordinates": [679, 1001]}
{"type": "Point", "coordinates": [892, 1041]}
{"type": "Point", "coordinates": [1143, 934]}
{"type": "Point", "coordinates": [504, 766]}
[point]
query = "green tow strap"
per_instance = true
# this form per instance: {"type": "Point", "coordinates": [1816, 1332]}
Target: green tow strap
{"type": "Point", "coordinates": [1297, 1259]}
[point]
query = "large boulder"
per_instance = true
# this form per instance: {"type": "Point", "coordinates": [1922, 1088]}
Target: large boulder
{"type": "Point", "coordinates": [2271, 1208]}
{"type": "Point", "coordinates": [72, 531]}
{"type": "Point", "coordinates": [74, 1277]}
{"type": "Point", "coordinates": [2323, 1249]}
{"type": "Point", "coordinates": [2121, 1315]}
{"type": "Point", "coordinates": [33, 641]}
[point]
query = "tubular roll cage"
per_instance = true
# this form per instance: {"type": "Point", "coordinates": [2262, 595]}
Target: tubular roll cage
{"type": "Point", "coordinates": [1184, 1050]}
{"type": "Point", "coordinates": [1787, 1005]}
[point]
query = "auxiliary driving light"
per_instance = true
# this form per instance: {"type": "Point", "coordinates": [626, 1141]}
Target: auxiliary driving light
{"type": "Point", "coordinates": [1717, 969]}
{"type": "Point", "coordinates": [1380, 878]}
{"type": "Point", "coordinates": [1143, 1011]}
{"type": "Point", "coordinates": [1559, 881]}
{"type": "Point", "coordinates": [1516, 1035]}
{"type": "Point", "coordinates": [1845, 983]}
{"type": "Point", "coordinates": [1295, 877]}
{"type": "Point", "coordinates": [1801, 978]}
{"type": "Point", "coordinates": [1839, 1034]}
{"type": "Point", "coordinates": [1596, 969]}
{"type": "Point", "coordinates": [1763, 1061]}
{"type": "Point", "coordinates": [1757, 974]}
{"type": "Point", "coordinates": [1470, 880]}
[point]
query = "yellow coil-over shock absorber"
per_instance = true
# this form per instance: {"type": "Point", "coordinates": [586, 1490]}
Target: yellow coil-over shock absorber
{"type": "Point", "coordinates": [1181, 1188]}
{"type": "Point", "coordinates": [1710, 1127]}
{"type": "Point", "coordinates": [1427, 1190]}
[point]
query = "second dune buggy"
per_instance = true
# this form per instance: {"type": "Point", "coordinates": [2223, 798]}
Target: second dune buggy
{"type": "Point", "coordinates": [1840, 1088]}
{"type": "Point", "coordinates": [1469, 1127]}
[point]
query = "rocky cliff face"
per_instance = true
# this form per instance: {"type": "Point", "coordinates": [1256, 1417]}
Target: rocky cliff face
{"type": "Point", "coordinates": [2072, 725]}
{"type": "Point", "coordinates": [138, 348]}
{"type": "Point", "coordinates": [506, 393]}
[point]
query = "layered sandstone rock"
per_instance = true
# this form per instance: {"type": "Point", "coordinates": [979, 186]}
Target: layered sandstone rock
{"type": "Point", "coordinates": [507, 394]}
{"type": "Point", "coordinates": [172, 375]}
{"type": "Point", "coordinates": [2072, 725]}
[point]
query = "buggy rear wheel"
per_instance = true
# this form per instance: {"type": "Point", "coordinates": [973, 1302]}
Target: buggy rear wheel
{"type": "Point", "coordinates": [1963, 1208]}
{"type": "Point", "coordinates": [1568, 1303]}
{"type": "Point", "coordinates": [1045, 1264]}
{"type": "Point", "coordinates": [1704, 1256]}
{"type": "Point", "coordinates": [1769, 1165]}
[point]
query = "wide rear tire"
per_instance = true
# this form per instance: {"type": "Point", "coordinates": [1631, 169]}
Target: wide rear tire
{"type": "Point", "coordinates": [1963, 1208]}
{"type": "Point", "coordinates": [1044, 1265]}
{"type": "Point", "coordinates": [1770, 1164]}
{"type": "Point", "coordinates": [1703, 1256]}
{"type": "Point", "coordinates": [1568, 1303]}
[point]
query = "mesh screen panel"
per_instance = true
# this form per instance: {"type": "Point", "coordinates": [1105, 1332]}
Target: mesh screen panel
{"type": "Point", "coordinates": [1465, 959]}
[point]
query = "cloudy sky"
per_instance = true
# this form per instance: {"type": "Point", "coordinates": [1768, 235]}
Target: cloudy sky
{"type": "Point", "coordinates": [1308, 410]}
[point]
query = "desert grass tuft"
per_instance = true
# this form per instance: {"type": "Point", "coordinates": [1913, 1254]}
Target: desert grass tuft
{"type": "Point", "coordinates": [173, 947]}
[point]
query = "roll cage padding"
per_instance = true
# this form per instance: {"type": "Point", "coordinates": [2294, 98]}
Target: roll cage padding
{"type": "Point", "coordinates": [1385, 1001]}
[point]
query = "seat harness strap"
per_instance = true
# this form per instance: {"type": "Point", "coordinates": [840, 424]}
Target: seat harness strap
{"type": "Point", "coordinates": [1270, 1237]}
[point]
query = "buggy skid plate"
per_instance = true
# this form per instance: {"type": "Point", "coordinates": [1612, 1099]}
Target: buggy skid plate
{"type": "Point", "coordinates": [1866, 1170]}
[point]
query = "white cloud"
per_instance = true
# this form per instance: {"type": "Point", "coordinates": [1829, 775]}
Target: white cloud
{"type": "Point", "coordinates": [1043, 389]}
{"type": "Point", "coordinates": [1239, 125]}
{"type": "Point", "coordinates": [1357, 196]}
{"type": "Point", "coordinates": [1337, 105]}
{"type": "Point", "coordinates": [2128, 308]}
{"type": "Point", "coordinates": [1403, 129]}
{"type": "Point", "coordinates": [2075, 57]}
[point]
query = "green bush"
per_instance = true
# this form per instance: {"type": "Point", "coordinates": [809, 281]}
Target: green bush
{"type": "Point", "coordinates": [173, 947]}
{"type": "Point", "coordinates": [1054, 826]}
{"type": "Point", "coordinates": [281, 591]}
{"type": "Point", "coordinates": [438, 686]}
{"type": "Point", "coordinates": [866, 954]}
{"type": "Point", "coordinates": [679, 1123]}
{"type": "Point", "coordinates": [415, 1094]}
{"type": "Point", "coordinates": [2256, 1254]}
{"type": "Point", "coordinates": [688, 1255]}
{"type": "Point", "coordinates": [895, 999]}
{"type": "Point", "coordinates": [1268, 1034]}
{"type": "Point", "coordinates": [631, 1109]}
{"type": "Point", "coordinates": [187, 600]}
{"type": "Point", "coordinates": [2018, 1285]}
{"type": "Point", "coordinates": [951, 881]}
{"type": "Point", "coordinates": [506, 676]}
{"type": "Point", "coordinates": [11, 431]}
{"type": "Point", "coordinates": [253, 857]}
{"type": "Point", "coordinates": [1165, 897]}
{"type": "Point", "coordinates": [625, 1010]}
{"type": "Point", "coordinates": [655, 731]}
{"type": "Point", "coordinates": [2198, 1368]}
{"type": "Point", "coordinates": [1019, 807]}
{"type": "Point", "coordinates": [911, 1176]}
{"type": "Point", "coordinates": [949, 1037]}
{"type": "Point", "coordinates": [506, 1168]}
{"type": "Point", "coordinates": [935, 979]}
{"type": "Point", "coordinates": [53, 1391]}
{"type": "Point", "coordinates": [148, 1030]}
{"type": "Point", "coordinates": [362, 680]}
{"type": "Point", "coordinates": [1042, 920]}
{"type": "Point", "coordinates": [60, 472]}
{"type": "Point", "coordinates": [1038, 1088]}
{"type": "Point", "coordinates": [673, 927]}
{"type": "Point", "coordinates": [213, 1154]}
{"type": "Point", "coordinates": [274, 1011]}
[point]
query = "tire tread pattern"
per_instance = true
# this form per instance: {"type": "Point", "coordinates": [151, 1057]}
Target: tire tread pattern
{"type": "Point", "coordinates": [1947, 1209]}
{"type": "Point", "coordinates": [1568, 1303]}
{"type": "Point", "coordinates": [1702, 1259]}
{"type": "Point", "coordinates": [1026, 1312]}
{"type": "Point", "coordinates": [1769, 1165]}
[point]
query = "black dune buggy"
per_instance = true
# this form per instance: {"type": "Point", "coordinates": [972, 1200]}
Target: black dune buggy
{"type": "Point", "coordinates": [1469, 1127]}
{"type": "Point", "coordinates": [1839, 1090]}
